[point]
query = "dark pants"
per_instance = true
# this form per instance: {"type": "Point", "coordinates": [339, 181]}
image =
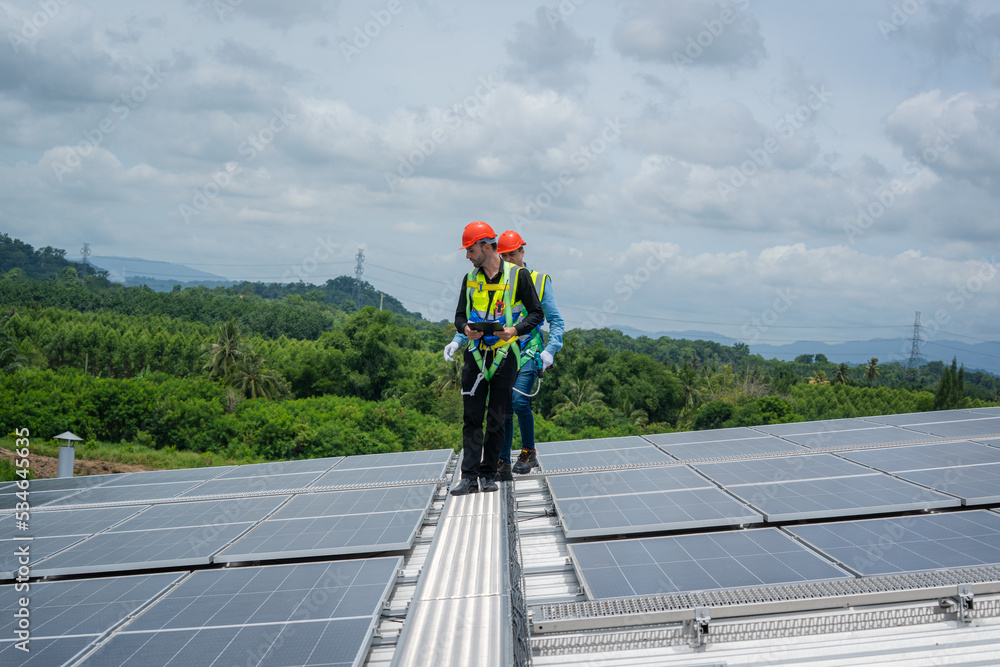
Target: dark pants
{"type": "Point", "coordinates": [479, 454]}
{"type": "Point", "coordinates": [520, 405]}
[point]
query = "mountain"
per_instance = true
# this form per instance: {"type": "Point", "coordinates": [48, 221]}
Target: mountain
{"type": "Point", "coordinates": [120, 269]}
{"type": "Point", "coordinates": [978, 356]}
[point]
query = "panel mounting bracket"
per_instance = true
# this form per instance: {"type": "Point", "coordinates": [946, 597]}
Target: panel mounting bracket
{"type": "Point", "coordinates": [696, 628]}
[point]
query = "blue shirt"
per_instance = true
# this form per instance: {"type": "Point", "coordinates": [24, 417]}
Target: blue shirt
{"type": "Point", "coordinates": [556, 324]}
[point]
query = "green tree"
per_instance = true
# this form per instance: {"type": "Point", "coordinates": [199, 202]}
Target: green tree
{"type": "Point", "coordinates": [950, 393]}
{"type": "Point", "coordinates": [252, 378]}
{"type": "Point", "coordinates": [842, 375]}
{"type": "Point", "coordinates": [227, 350]}
{"type": "Point", "coordinates": [804, 359]}
{"type": "Point", "coordinates": [579, 393]}
{"type": "Point", "coordinates": [872, 371]}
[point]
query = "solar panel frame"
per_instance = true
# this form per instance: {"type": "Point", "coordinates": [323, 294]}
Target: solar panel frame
{"type": "Point", "coordinates": [780, 469]}
{"type": "Point", "coordinates": [819, 426]}
{"type": "Point", "coordinates": [384, 475]}
{"type": "Point", "coordinates": [139, 494]}
{"type": "Point", "coordinates": [357, 501]}
{"type": "Point", "coordinates": [918, 543]}
{"type": "Point", "coordinates": [40, 548]}
{"type": "Point", "coordinates": [764, 445]}
{"type": "Point", "coordinates": [161, 476]}
{"type": "Point", "coordinates": [282, 468]}
{"type": "Point", "coordinates": [66, 522]}
{"type": "Point", "coordinates": [141, 550]}
{"type": "Point", "coordinates": [924, 457]}
{"type": "Point", "coordinates": [37, 499]}
{"type": "Point", "coordinates": [974, 484]}
{"type": "Point", "coordinates": [682, 509]}
{"type": "Point", "coordinates": [71, 483]}
{"type": "Point", "coordinates": [227, 486]}
{"type": "Point", "coordinates": [876, 493]}
{"type": "Point", "coordinates": [692, 563]}
{"type": "Point", "coordinates": [45, 651]}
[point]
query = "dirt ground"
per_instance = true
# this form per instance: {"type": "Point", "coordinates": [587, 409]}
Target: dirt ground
{"type": "Point", "coordinates": [47, 466]}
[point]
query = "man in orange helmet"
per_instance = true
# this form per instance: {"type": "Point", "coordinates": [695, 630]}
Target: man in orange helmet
{"type": "Point", "coordinates": [535, 355]}
{"type": "Point", "coordinates": [497, 304]}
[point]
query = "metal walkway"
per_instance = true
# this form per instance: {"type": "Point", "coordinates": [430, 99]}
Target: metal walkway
{"type": "Point", "coordinates": [460, 611]}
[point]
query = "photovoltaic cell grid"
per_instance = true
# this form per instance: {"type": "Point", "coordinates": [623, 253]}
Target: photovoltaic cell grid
{"type": "Point", "coordinates": [274, 483]}
{"type": "Point", "coordinates": [975, 485]}
{"type": "Point", "coordinates": [908, 544]}
{"type": "Point", "coordinates": [713, 435]}
{"type": "Point", "coordinates": [141, 493]}
{"type": "Point", "coordinates": [617, 482]}
{"type": "Point", "coordinates": [781, 469]}
{"type": "Point", "coordinates": [45, 652]}
{"type": "Point", "coordinates": [975, 428]}
{"type": "Point", "coordinates": [383, 475]}
{"type": "Point", "coordinates": [304, 614]}
{"type": "Point", "coordinates": [689, 563]}
{"type": "Point", "coordinates": [41, 547]}
{"type": "Point", "coordinates": [9, 499]}
{"type": "Point", "coordinates": [428, 456]}
{"type": "Point", "coordinates": [282, 468]}
{"type": "Point", "coordinates": [159, 476]}
{"type": "Point", "coordinates": [843, 496]}
{"type": "Point", "coordinates": [337, 522]}
{"type": "Point", "coordinates": [595, 445]}
{"type": "Point", "coordinates": [765, 444]}
{"type": "Point", "coordinates": [58, 523]}
{"type": "Point", "coordinates": [923, 457]}
{"type": "Point", "coordinates": [821, 426]}
{"type": "Point", "coordinates": [203, 513]}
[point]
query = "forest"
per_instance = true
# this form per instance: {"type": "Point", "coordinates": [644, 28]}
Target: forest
{"type": "Point", "coordinates": [263, 372]}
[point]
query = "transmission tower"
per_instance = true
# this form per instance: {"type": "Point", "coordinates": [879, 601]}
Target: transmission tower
{"type": "Point", "coordinates": [359, 270]}
{"type": "Point", "coordinates": [914, 361]}
{"type": "Point", "coordinates": [85, 253]}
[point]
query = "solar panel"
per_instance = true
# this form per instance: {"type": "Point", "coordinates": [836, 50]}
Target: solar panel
{"type": "Point", "coordinates": [360, 501]}
{"type": "Point", "coordinates": [326, 536]}
{"type": "Point", "coordinates": [759, 471]}
{"type": "Point", "coordinates": [230, 486]}
{"type": "Point", "coordinates": [384, 475]}
{"type": "Point", "coordinates": [689, 563]}
{"type": "Point", "coordinates": [856, 438]}
{"type": "Point", "coordinates": [765, 444]}
{"type": "Point", "coordinates": [975, 485]}
{"type": "Point", "coordinates": [204, 513]}
{"type": "Point", "coordinates": [842, 496]}
{"type": "Point", "coordinates": [55, 523]}
{"type": "Point", "coordinates": [992, 442]}
{"type": "Point", "coordinates": [711, 435]}
{"type": "Point", "coordinates": [9, 499]}
{"type": "Point", "coordinates": [125, 494]}
{"type": "Point", "coordinates": [648, 512]}
{"type": "Point", "coordinates": [84, 606]}
{"type": "Point", "coordinates": [273, 594]}
{"type": "Point", "coordinates": [616, 482]}
{"type": "Point", "coordinates": [337, 522]}
{"type": "Point", "coordinates": [921, 457]}
{"type": "Point", "coordinates": [45, 652]}
{"type": "Point", "coordinates": [159, 476]}
{"type": "Point", "coordinates": [71, 483]}
{"type": "Point", "coordinates": [40, 547]}
{"type": "Point", "coordinates": [594, 445]}
{"type": "Point", "coordinates": [821, 426]}
{"type": "Point", "coordinates": [282, 467]}
{"type": "Point", "coordinates": [141, 550]}
{"type": "Point", "coordinates": [963, 429]}
{"type": "Point", "coordinates": [420, 457]}
{"type": "Point", "coordinates": [935, 417]}
{"type": "Point", "coordinates": [991, 411]}
{"type": "Point", "coordinates": [601, 459]}
{"type": "Point", "coordinates": [910, 543]}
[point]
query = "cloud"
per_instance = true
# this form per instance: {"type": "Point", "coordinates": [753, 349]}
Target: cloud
{"type": "Point", "coordinates": [549, 52]}
{"type": "Point", "coordinates": [280, 15]}
{"type": "Point", "coordinates": [946, 31]}
{"type": "Point", "coordinates": [958, 136]}
{"type": "Point", "coordinates": [691, 33]}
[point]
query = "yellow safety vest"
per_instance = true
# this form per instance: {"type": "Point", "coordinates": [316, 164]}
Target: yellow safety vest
{"type": "Point", "coordinates": [498, 302]}
{"type": "Point", "coordinates": [531, 343]}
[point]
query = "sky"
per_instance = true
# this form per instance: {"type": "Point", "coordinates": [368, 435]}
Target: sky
{"type": "Point", "coordinates": [771, 171]}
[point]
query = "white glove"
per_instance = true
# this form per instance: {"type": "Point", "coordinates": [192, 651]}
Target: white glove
{"type": "Point", "coordinates": [449, 350]}
{"type": "Point", "coordinates": [546, 359]}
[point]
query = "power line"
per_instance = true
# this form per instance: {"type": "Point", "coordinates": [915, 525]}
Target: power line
{"type": "Point", "coordinates": [409, 275]}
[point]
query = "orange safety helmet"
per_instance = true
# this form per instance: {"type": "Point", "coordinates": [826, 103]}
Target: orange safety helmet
{"type": "Point", "coordinates": [509, 242]}
{"type": "Point", "coordinates": [475, 232]}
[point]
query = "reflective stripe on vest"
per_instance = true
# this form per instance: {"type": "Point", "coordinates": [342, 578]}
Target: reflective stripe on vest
{"type": "Point", "coordinates": [487, 302]}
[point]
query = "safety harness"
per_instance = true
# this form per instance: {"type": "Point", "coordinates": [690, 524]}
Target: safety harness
{"type": "Point", "coordinates": [481, 305]}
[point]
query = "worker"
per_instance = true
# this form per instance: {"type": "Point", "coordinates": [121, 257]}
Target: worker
{"type": "Point", "coordinates": [535, 354]}
{"type": "Point", "coordinates": [497, 305]}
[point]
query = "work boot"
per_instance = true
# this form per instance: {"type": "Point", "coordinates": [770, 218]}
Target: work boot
{"type": "Point", "coordinates": [526, 460]}
{"type": "Point", "coordinates": [503, 471]}
{"type": "Point", "coordinates": [489, 484]}
{"type": "Point", "coordinates": [466, 486]}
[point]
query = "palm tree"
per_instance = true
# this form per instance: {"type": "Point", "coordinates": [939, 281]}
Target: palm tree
{"type": "Point", "coordinates": [450, 379]}
{"type": "Point", "coordinates": [227, 350]}
{"type": "Point", "coordinates": [578, 394]}
{"type": "Point", "coordinates": [691, 384]}
{"type": "Point", "coordinates": [254, 379]}
{"type": "Point", "coordinates": [11, 357]}
{"type": "Point", "coordinates": [871, 372]}
{"type": "Point", "coordinates": [843, 375]}
{"type": "Point", "coordinates": [819, 377]}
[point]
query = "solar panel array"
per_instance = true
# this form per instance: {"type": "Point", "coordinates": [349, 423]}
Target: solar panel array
{"type": "Point", "coordinates": [315, 613]}
{"type": "Point", "coordinates": [872, 467]}
{"type": "Point", "coordinates": [600, 453]}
